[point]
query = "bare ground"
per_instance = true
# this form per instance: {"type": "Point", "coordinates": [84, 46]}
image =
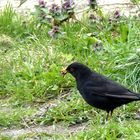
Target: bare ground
{"type": "Point", "coordinates": [124, 6]}
{"type": "Point", "coordinates": [32, 128]}
{"type": "Point", "coordinates": [52, 129]}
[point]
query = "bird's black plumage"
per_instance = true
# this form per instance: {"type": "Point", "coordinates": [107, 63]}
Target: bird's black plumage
{"type": "Point", "coordinates": [99, 91]}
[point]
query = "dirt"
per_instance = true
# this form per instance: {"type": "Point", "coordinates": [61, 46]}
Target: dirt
{"type": "Point", "coordinates": [53, 129]}
{"type": "Point", "coordinates": [124, 6]}
{"type": "Point", "coordinates": [34, 129]}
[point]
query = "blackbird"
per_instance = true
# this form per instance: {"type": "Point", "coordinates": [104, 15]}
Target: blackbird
{"type": "Point", "coordinates": [99, 91]}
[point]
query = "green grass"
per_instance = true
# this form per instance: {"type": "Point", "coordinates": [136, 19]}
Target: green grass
{"type": "Point", "coordinates": [110, 131]}
{"type": "Point", "coordinates": [12, 116]}
{"type": "Point", "coordinates": [31, 61]}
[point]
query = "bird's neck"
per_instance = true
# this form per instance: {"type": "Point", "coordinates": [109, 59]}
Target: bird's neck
{"type": "Point", "coordinates": [83, 76]}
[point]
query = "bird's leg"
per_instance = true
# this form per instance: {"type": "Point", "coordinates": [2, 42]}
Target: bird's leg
{"type": "Point", "coordinates": [109, 114]}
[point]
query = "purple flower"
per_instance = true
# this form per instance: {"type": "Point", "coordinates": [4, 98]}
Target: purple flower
{"type": "Point", "coordinates": [138, 14]}
{"type": "Point", "coordinates": [90, 2]}
{"type": "Point", "coordinates": [42, 3]}
{"type": "Point", "coordinates": [117, 14]}
{"type": "Point", "coordinates": [71, 2]}
{"type": "Point", "coordinates": [56, 28]}
{"type": "Point", "coordinates": [53, 31]}
{"type": "Point", "coordinates": [110, 20]}
{"type": "Point", "coordinates": [68, 4]}
{"type": "Point", "coordinates": [92, 16]}
{"type": "Point", "coordinates": [54, 8]}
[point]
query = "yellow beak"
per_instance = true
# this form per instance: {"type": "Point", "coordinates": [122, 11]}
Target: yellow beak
{"type": "Point", "coordinates": [64, 72]}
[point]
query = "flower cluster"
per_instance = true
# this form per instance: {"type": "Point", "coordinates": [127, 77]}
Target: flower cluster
{"type": "Point", "coordinates": [53, 31]}
{"type": "Point", "coordinates": [42, 3]}
{"type": "Point", "coordinates": [55, 9]}
{"type": "Point", "coordinates": [117, 14]}
{"type": "Point", "coordinates": [115, 17]}
{"type": "Point", "coordinates": [58, 14]}
{"type": "Point", "coordinates": [68, 5]}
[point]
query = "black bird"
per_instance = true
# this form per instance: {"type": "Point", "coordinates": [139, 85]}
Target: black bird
{"type": "Point", "coordinates": [99, 91]}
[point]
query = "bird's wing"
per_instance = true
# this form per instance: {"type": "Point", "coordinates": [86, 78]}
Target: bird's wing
{"type": "Point", "coordinates": [110, 89]}
{"type": "Point", "coordinates": [126, 96]}
{"type": "Point", "coordinates": [118, 91]}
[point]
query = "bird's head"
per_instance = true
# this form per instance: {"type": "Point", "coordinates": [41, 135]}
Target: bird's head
{"type": "Point", "coordinates": [77, 70]}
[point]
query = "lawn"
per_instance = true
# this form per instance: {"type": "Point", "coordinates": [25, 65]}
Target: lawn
{"type": "Point", "coordinates": [30, 65]}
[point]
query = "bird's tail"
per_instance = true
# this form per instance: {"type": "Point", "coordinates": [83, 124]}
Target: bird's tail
{"type": "Point", "coordinates": [136, 96]}
{"type": "Point", "coordinates": [139, 96]}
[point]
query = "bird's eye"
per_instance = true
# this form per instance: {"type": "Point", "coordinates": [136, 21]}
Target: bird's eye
{"type": "Point", "coordinates": [71, 69]}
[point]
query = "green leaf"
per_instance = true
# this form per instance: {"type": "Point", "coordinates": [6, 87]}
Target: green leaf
{"type": "Point", "coordinates": [55, 87]}
{"type": "Point", "coordinates": [45, 10]}
{"type": "Point", "coordinates": [61, 17]}
{"type": "Point", "coordinates": [124, 32]}
{"type": "Point", "coordinates": [91, 40]}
